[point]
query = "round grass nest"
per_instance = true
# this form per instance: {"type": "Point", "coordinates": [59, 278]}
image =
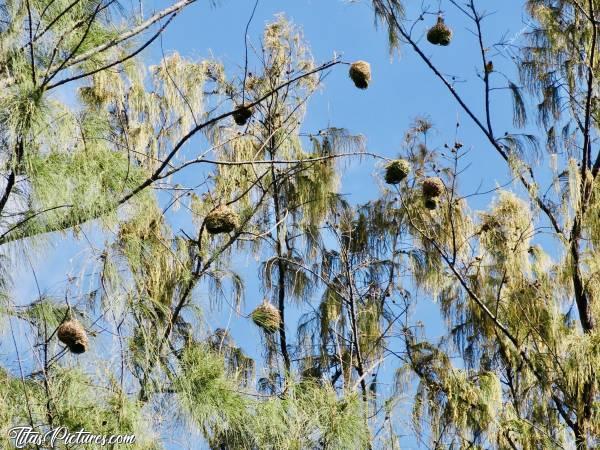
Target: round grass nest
{"type": "Point", "coordinates": [432, 187]}
{"type": "Point", "coordinates": [267, 317]}
{"type": "Point", "coordinates": [221, 220]}
{"type": "Point", "coordinates": [489, 223]}
{"type": "Point", "coordinates": [90, 95]}
{"type": "Point", "coordinates": [360, 73]}
{"type": "Point", "coordinates": [241, 114]}
{"type": "Point", "coordinates": [396, 171]}
{"type": "Point", "coordinates": [439, 34]}
{"type": "Point", "coordinates": [430, 203]}
{"type": "Point", "coordinates": [73, 335]}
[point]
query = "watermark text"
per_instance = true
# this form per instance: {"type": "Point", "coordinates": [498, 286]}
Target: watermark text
{"type": "Point", "coordinates": [24, 436]}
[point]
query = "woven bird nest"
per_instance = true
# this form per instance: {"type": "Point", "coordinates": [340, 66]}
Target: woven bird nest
{"type": "Point", "coordinates": [489, 223]}
{"type": "Point", "coordinates": [222, 220]}
{"type": "Point", "coordinates": [267, 317]}
{"type": "Point", "coordinates": [91, 96]}
{"type": "Point", "coordinates": [360, 73]}
{"type": "Point", "coordinates": [432, 187]}
{"type": "Point", "coordinates": [430, 203]}
{"type": "Point", "coordinates": [241, 114]}
{"type": "Point", "coordinates": [396, 171]}
{"type": "Point", "coordinates": [439, 34]}
{"type": "Point", "coordinates": [73, 335]}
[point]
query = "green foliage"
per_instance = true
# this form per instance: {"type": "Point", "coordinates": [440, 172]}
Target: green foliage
{"type": "Point", "coordinates": [79, 187]}
{"type": "Point", "coordinates": [209, 395]}
{"type": "Point", "coordinates": [76, 404]}
{"type": "Point", "coordinates": [308, 415]}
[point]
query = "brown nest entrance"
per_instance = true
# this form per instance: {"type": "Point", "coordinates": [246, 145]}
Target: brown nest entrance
{"type": "Point", "coordinates": [73, 335]}
{"type": "Point", "coordinates": [360, 73]}
{"type": "Point", "coordinates": [396, 171]}
{"type": "Point", "coordinates": [440, 34]}
{"type": "Point", "coordinates": [432, 187]}
{"type": "Point", "coordinates": [242, 114]}
{"type": "Point", "coordinates": [267, 317]}
{"type": "Point", "coordinates": [222, 220]}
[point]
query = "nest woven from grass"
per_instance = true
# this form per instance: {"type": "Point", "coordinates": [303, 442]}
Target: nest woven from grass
{"type": "Point", "coordinates": [396, 171]}
{"type": "Point", "coordinates": [432, 187]}
{"type": "Point", "coordinates": [222, 220]}
{"type": "Point", "coordinates": [267, 317]}
{"type": "Point", "coordinates": [241, 114]}
{"type": "Point", "coordinates": [360, 73]}
{"type": "Point", "coordinates": [489, 223]}
{"type": "Point", "coordinates": [439, 34]}
{"type": "Point", "coordinates": [73, 335]}
{"type": "Point", "coordinates": [90, 96]}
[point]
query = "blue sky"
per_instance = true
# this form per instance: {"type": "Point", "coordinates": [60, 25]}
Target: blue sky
{"type": "Point", "coordinates": [402, 89]}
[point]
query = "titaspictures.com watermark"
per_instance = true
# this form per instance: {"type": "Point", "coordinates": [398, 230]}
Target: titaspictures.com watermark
{"type": "Point", "coordinates": [24, 436]}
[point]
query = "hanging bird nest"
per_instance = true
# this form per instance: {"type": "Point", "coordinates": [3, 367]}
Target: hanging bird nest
{"type": "Point", "coordinates": [241, 114]}
{"type": "Point", "coordinates": [439, 34]}
{"type": "Point", "coordinates": [489, 223]}
{"type": "Point", "coordinates": [430, 203]}
{"type": "Point", "coordinates": [72, 334]}
{"type": "Point", "coordinates": [360, 73]}
{"type": "Point", "coordinates": [91, 96]}
{"type": "Point", "coordinates": [221, 220]}
{"type": "Point", "coordinates": [396, 171]}
{"type": "Point", "coordinates": [267, 317]}
{"type": "Point", "coordinates": [433, 187]}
